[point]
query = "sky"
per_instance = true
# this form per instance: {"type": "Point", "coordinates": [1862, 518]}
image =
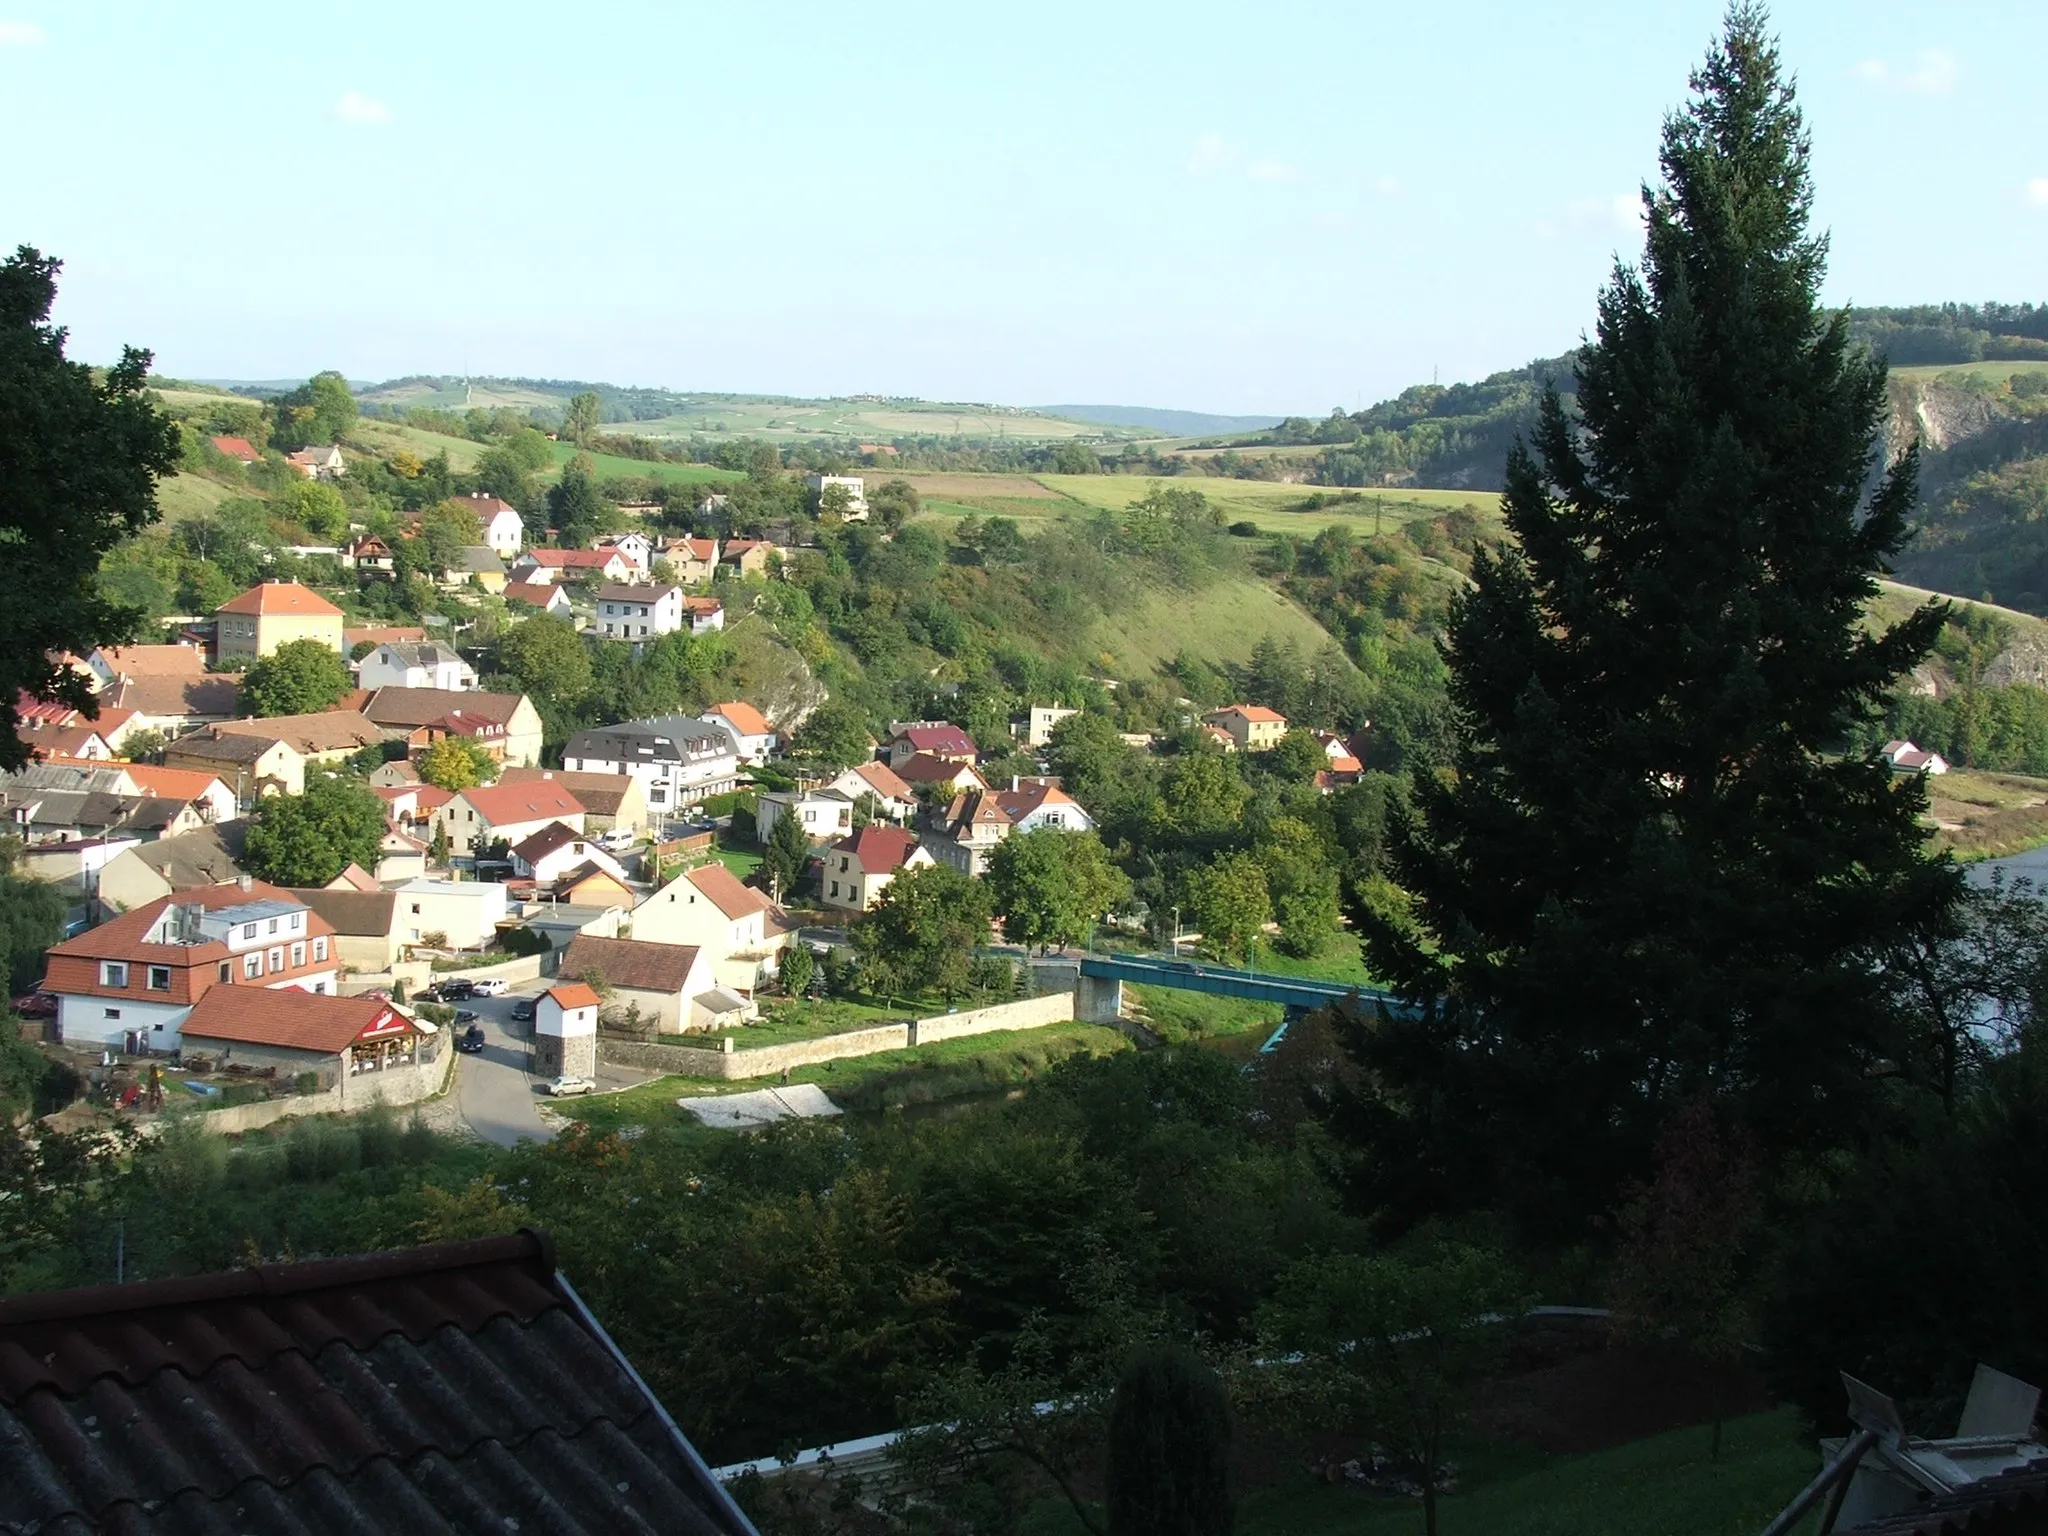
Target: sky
{"type": "Point", "coordinates": [1255, 208]}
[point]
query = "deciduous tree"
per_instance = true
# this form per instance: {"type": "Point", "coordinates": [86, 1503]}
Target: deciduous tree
{"type": "Point", "coordinates": [921, 934]}
{"type": "Point", "coordinates": [301, 677]}
{"type": "Point", "coordinates": [1229, 903]}
{"type": "Point", "coordinates": [308, 839]}
{"type": "Point", "coordinates": [456, 763]}
{"type": "Point", "coordinates": [548, 658]}
{"type": "Point", "coordinates": [79, 463]}
{"type": "Point", "coordinates": [1050, 887]}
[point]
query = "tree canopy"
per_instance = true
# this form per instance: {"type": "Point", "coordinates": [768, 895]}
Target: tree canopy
{"type": "Point", "coordinates": [456, 763]}
{"type": "Point", "coordinates": [301, 677]}
{"type": "Point", "coordinates": [920, 935]}
{"type": "Point", "coordinates": [1050, 887]}
{"type": "Point", "coordinates": [79, 463]}
{"type": "Point", "coordinates": [308, 839]}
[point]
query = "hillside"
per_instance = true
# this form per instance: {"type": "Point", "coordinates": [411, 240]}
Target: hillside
{"type": "Point", "coordinates": [1171, 423]}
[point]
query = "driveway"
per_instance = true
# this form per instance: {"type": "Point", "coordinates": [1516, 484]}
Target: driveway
{"type": "Point", "coordinates": [495, 1088]}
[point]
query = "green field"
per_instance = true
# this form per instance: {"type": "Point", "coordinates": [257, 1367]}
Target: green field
{"type": "Point", "coordinates": [458, 398]}
{"type": "Point", "coordinates": [608, 465]}
{"type": "Point", "coordinates": [183, 496]}
{"type": "Point", "coordinates": [862, 420]}
{"type": "Point", "coordinates": [388, 437]}
{"type": "Point", "coordinates": [1223, 621]}
{"type": "Point", "coordinates": [1996, 372]}
{"type": "Point", "coordinates": [1270, 503]}
{"type": "Point", "coordinates": [1896, 601]}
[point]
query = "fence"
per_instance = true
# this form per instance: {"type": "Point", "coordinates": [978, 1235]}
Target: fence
{"type": "Point", "coordinates": [729, 1062]}
{"type": "Point", "coordinates": [395, 1086]}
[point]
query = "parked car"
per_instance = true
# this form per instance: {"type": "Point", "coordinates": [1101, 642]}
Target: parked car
{"type": "Point", "coordinates": [465, 1016]}
{"type": "Point", "coordinates": [564, 1087]}
{"type": "Point", "coordinates": [449, 991]}
{"type": "Point", "coordinates": [522, 1011]}
{"type": "Point", "coordinates": [619, 842]}
{"type": "Point", "coordinates": [488, 986]}
{"type": "Point", "coordinates": [471, 1041]}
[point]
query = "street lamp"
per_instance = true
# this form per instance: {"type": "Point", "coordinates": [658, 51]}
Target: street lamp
{"type": "Point", "coordinates": [1176, 933]}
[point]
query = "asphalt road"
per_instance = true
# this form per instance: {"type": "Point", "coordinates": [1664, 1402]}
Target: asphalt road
{"type": "Point", "coordinates": [497, 1092]}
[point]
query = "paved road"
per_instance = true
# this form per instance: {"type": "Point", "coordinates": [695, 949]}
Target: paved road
{"type": "Point", "coordinates": [496, 1092]}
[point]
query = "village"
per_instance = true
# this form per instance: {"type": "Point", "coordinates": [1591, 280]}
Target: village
{"type": "Point", "coordinates": [583, 909]}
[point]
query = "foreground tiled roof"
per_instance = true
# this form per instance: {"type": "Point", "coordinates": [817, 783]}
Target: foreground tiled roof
{"type": "Point", "coordinates": [742, 716]}
{"type": "Point", "coordinates": [461, 1387]}
{"type": "Point", "coordinates": [289, 1018]}
{"type": "Point", "coordinates": [635, 964]}
{"type": "Point", "coordinates": [722, 888]}
{"type": "Point", "coordinates": [601, 793]}
{"type": "Point", "coordinates": [416, 706]}
{"type": "Point", "coordinates": [332, 730]}
{"type": "Point", "coordinates": [507, 804]}
{"type": "Point", "coordinates": [280, 597]}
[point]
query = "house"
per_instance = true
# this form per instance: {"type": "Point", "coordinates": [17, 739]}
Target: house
{"type": "Point", "coordinates": [856, 493]}
{"type": "Point", "coordinates": [476, 565]}
{"type": "Point", "coordinates": [239, 449]}
{"type": "Point", "coordinates": [272, 614]}
{"type": "Point", "coordinates": [321, 463]}
{"type": "Point", "coordinates": [484, 1396]}
{"type": "Point", "coordinates": [858, 869]}
{"type": "Point", "coordinates": [79, 801]}
{"type": "Point", "coordinates": [78, 742]}
{"type": "Point", "coordinates": [1039, 720]}
{"type": "Point", "coordinates": [825, 814]}
{"type": "Point", "coordinates": [365, 925]}
{"type": "Point", "coordinates": [612, 802]}
{"type": "Point", "coordinates": [565, 1031]}
{"type": "Point", "coordinates": [557, 848]}
{"type": "Point", "coordinates": [368, 554]}
{"type": "Point", "coordinates": [399, 712]}
{"type": "Point", "coordinates": [130, 982]}
{"type": "Point", "coordinates": [483, 731]}
{"type": "Point", "coordinates": [510, 813]}
{"type": "Point", "coordinates": [939, 775]}
{"type": "Point", "coordinates": [412, 806]}
{"type": "Point", "coordinates": [1344, 766]}
{"type": "Point", "coordinates": [695, 561]}
{"type": "Point", "coordinates": [174, 704]}
{"type": "Point", "coordinates": [635, 548]}
{"type": "Point", "coordinates": [252, 766]}
{"type": "Point", "coordinates": [353, 877]}
{"type": "Point", "coordinates": [1904, 757]}
{"type": "Point", "coordinates": [215, 799]}
{"type": "Point", "coordinates": [504, 530]}
{"type": "Point", "coordinates": [749, 727]}
{"type": "Point", "coordinates": [147, 872]}
{"type": "Point", "coordinates": [541, 565]}
{"type": "Point", "coordinates": [747, 556]}
{"type": "Point", "coordinates": [417, 665]}
{"type": "Point", "coordinates": [705, 614]}
{"type": "Point", "coordinates": [545, 596]}
{"type": "Point", "coordinates": [1250, 727]}
{"type": "Point", "coordinates": [592, 885]}
{"type": "Point", "coordinates": [741, 932]}
{"type": "Point", "coordinates": [361, 1045]}
{"type": "Point", "coordinates": [109, 663]}
{"type": "Point", "coordinates": [465, 913]}
{"type": "Point", "coordinates": [975, 822]}
{"type": "Point", "coordinates": [324, 739]}
{"type": "Point", "coordinates": [637, 610]}
{"type": "Point", "coordinates": [661, 980]}
{"type": "Point", "coordinates": [400, 855]}
{"type": "Point", "coordinates": [929, 738]}
{"type": "Point", "coordinates": [679, 759]}
{"type": "Point", "coordinates": [399, 773]}
{"type": "Point", "coordinates": [899, 800]}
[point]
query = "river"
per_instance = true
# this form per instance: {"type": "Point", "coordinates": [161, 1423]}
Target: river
{"type": "Point", "coordinates": [2031, 865]}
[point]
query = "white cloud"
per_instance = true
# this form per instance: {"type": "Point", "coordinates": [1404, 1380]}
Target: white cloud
{"type": "Point", "coordinates": [20, 34]}
{"type": "Point", "coordinates": [2037, 191]}
{"type": "Point", "coordinates": [1210, 154]}
{"type": "Point", "coordinates": [363, 111]}
{"type": "Point", "coordinates": [1273, 170]}
{"type": "Point", "coordinates": [1933, 72]}
{"type": "Point", "coordinates": [1214, 155]}
{"type": "Point", "coordinates": [1386, 186]}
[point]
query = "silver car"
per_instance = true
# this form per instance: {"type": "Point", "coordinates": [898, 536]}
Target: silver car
{"type": "Point", "coordinates": [564, 1087]}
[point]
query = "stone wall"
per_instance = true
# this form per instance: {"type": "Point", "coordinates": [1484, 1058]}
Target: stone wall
{"type": "Point", "coordinates": [396, 1086]}
{"type": "Point", "coordinates": [733, 1064]}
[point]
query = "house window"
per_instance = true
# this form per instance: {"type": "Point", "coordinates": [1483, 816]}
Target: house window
{"type": "Point", "coordinates": [319, 949]}
{"type": "Point", "coordinates": [249, 931]}
{"type": "Point", "coordinates": [113, 973]}
{"type": "Point", "coordinates": [298, 956]}
{"type": "Point", "coordinates": [159, 978]}
{"type": "Point", "coordinates": [227, 972]}
{"type": "Point", "coordinates": [252, 967]}
{"type": "Point", "coordinates": [113, 1013]}
{"type": "Point", "coordinates": [320, 987]}
{"type": "Point", "coordinates": [276, 961]}
{"type": "Point", "coordinates": [415, 909]}
{"type": "Point", "coordinates": [298, 921]}
{"type": "Point", "coordinates": [835, 887]}
{"type": "Point", "coordinates": [273, 926]}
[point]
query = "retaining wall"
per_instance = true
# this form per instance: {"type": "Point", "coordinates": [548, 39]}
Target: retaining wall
{"type": "Point", "coordinates": [396, 1086]}
{"type": "Point", "coordinates": [729, 1063]}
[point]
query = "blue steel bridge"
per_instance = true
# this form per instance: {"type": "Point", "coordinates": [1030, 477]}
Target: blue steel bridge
{"type": "Point", "coordinates": [1103, 976]}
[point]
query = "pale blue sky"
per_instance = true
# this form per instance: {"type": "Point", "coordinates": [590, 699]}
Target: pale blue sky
{"type": "Point", "coordinates": [1273, 207]}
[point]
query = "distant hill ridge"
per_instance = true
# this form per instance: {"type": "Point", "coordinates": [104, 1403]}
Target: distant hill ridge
{"type": "Point", "coordinates": [1174, 423]}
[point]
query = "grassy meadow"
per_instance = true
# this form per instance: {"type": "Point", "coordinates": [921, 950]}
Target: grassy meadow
{"type": "Point", "coordinates": [1987, 815]}
{"type": "Point", "coordinates": [1995, 371]}
{"type": "Point", "coordinates": [862, 420]}
{"type": "Point", "coordinates": [607, 465]}
{"type": "Point", "coordinates": [1224, 621]}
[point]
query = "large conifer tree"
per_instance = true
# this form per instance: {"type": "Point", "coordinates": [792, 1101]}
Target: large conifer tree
{"type": "Point", "coordinates": [1650, 879]}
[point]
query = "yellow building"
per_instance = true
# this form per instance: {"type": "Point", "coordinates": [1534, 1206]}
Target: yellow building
{"type": "Point", "coordinates": [274, 614]}
{"type": "Point", "coordinates": [1251, 727]}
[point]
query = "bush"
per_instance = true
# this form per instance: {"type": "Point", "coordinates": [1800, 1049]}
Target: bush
{"type": "Point", "coordinates": [319, 1149]}
{"type": "Point", "coordinates": [307, 1082]}
{"type": "Point", "coordinates": [1168, 1472]}
{"type": "Point", "coordinates": [1245, 530]}
{"type": "Point", "coordinates": [523, 941]}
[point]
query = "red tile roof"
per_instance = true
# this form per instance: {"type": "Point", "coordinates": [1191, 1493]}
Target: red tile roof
{"type": "Point", "coordinates": [1257, 714]}
{"type": "Point", "coordinates": [397, 634]}
{"type": "Point", "coordinates": [573, 994]}
{"type": "Point", "coordinates": [536, 594]}
{"type": "Point", "coordinates": [121, 938]}
{"type": "Point", "coordinates": [884, 780]}
{"type": "Point", "coordinates": [179, 783]}
{"type": "Point", "coordinates": [926, 769]}
{"type": "Point", "coordinates": [332, 730]}
{"type": "Point", "coordinates": [574, 559]}
{"type": "Point", "coordinates": [937, 738]}
{"type": "Point", "coordinates": [722, 888]}
{"type": "Point", "coordinates": [279, 597]}
{"type": "Point", "coordinates": [743, 717]}
{"type": "Point", "coordinates": [879, 849]}
{"type": "Point", "coordinates": [237, 448]}
{"type": "Point", "coordinates": [527, 800]}
{"type": "Point", "coordinates": [635, 964]}
{"type": "Point", "coordinates": [702, 605]}
{"type": "Point", "coordinates": [154, 660]}
{"type": "Point", "coordinates": [292, 1020]}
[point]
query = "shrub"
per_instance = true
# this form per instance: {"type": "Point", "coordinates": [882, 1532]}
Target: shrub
{"type": "Point", "coordinates": [1168, 1471]}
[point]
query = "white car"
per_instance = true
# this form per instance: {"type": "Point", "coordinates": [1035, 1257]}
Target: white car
{"type": "Point", "coordinates": [491, 986]}
{"type": "Point", "coordinates": [564, 1087]}
{"type": "Point", "coordinates": [619, 842]}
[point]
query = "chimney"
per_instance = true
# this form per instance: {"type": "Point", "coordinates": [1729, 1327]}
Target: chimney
{"type": "Point", "coordinates": [245, 883]}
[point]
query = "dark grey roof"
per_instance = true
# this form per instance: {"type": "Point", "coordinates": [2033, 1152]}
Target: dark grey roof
{"type": "Point", "coordinates": [359, 914]}
{"type": "Point", "coordinates": [660, 739]}
{"type": "Point", "coordinates": [231, 748]}
{"type": "Point", "coordinates": [457, 1388]}
{"type": "Point", "coordinates": [205, 857]}
{"type": "Point", "coordinates": [479, 557]}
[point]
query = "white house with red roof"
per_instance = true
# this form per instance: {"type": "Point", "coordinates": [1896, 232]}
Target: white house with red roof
{"type": "Point", "coordinates": [565, 1031]}
{"type": "Point", "coordinates": [859, 868]}
{"type": "Point", "coordinates": [749, 727]}
{"type": "Point", "coordinates": [636, 548]}
{"type": "Point", "coordinates": [322, 462]}
{"type": "Point", "coordinates": [546, 596]}
{"type": "Point", "coordinates": [977, 821]}
{"type": "Point", "coordinates": [360, 1045]}
{"type": "Point", "coordinates": [514, 812]}
{"type": "Point", "coordinates": [258, 621]}
{"type": "Point", "coordinates": [539, 566]}
{"type": "Point", "coordinates": [705, 614]}
{"type": "Point", "coordinates": [129, 983]}
{"type": "Point", "coordinates": [930, 738]}
{"type": "Point", "coordinates": [557, 848]}
{"type": "Point", "coordinates": [899, 800]}
{"type": "Point", "coordinates": [741, 932]}
{"type": "Point", "coordinates": [503, 529]}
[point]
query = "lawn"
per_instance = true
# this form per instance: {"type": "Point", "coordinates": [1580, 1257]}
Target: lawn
{"type": "Point", "coordinates": [741, 861]}
{"type": "Point", "coordinates": [1274, 506]}
{"type": "Point", "coordinates": [1997, 372]}
{"type": "Point", "coordinates": [387, 437]}
{"type": "Point", "coordinates": [183, 496]}
{"type": "Point", "coordinates": [972, 1067]}
{"type": "Point", "coordinates": [1661, 1486]}
{"type": "Point", "coordinates": [607, 465]}
{"type": "Point", "coordinates": [783, 1023]}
